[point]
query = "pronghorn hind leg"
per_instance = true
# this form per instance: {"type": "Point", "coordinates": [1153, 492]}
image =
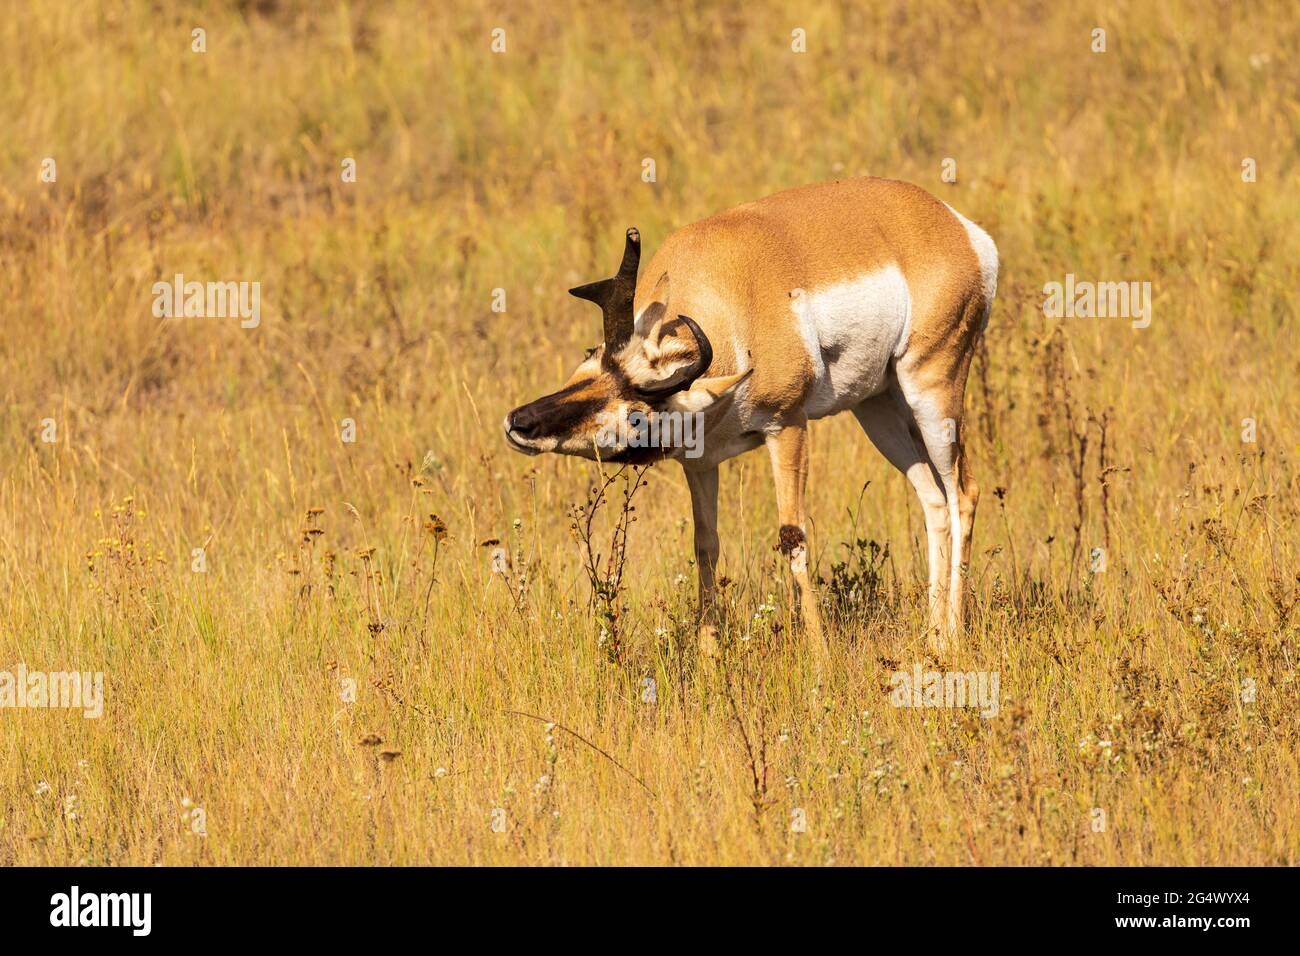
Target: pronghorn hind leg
{"type": "Point", "coordinates": [703, 484]}
{"type": "Point", "coordinates": [934, 433]}
{"type": "Point", "coordinates": [788, 449]}
{"type": "Point", "coordinates": [968, 498]}
{"type": "Point", "coordinates": [888, 423]}
{"type": "Point", "coordinates": [937, 409]}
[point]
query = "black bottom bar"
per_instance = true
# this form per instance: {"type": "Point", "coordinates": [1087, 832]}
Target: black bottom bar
{"type": "Point", "coordinates": [333, 906]}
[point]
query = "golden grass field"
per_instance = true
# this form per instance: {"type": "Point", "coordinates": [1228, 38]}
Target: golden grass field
{"type": "Point", "coordinates": [1124, 691]}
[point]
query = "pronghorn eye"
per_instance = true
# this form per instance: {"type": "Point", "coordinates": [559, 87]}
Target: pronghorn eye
{"type": "Point", "coordinates": [590, 352]}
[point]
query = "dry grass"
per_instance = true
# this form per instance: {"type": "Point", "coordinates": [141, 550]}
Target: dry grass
{"type": "Point", "coordinates": [519, 171]}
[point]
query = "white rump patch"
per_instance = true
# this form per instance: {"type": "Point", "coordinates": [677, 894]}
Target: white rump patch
{"type": "Point", "coordinates": [852, 329]}
{"type": "Point", "coordinates": [987, 254]}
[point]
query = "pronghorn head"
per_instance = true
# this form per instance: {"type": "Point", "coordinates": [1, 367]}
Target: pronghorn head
{"type": "Point", "coordinates": [618, 404]}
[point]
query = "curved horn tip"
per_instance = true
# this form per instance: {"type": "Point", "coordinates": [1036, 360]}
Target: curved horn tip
{"type": "Point", "coordinates": [687, 374]}
{"type": "Point", "coordinates": [634, 236]}
{"type": "Point", "coordinates": [706, 347]}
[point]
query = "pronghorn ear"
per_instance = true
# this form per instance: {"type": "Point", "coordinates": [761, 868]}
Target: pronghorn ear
{"type": "Point", "coordinates": [706, 393]}
{"type": "Point", "coordinates": [650, 319]}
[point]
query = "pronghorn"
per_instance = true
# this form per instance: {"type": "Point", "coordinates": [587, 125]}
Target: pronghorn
{"type": "Point", "coordinates": [861, 295]}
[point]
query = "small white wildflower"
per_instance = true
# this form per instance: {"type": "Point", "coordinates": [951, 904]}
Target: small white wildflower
{"type": "Point", "coordinates": [440, 772]}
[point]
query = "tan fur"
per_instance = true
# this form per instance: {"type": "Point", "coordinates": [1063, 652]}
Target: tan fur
{"type": "Point", "coordinates": [735, 274]}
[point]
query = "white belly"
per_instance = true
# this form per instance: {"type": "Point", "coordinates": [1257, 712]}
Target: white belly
{"type": "Point", "coordinates": [852, 330]}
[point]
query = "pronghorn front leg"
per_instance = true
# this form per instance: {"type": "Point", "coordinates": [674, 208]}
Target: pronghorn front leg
{"type": "Point", "coordinates": [704, 509]}
{"type": "Point", "coordinates": [789, 450]}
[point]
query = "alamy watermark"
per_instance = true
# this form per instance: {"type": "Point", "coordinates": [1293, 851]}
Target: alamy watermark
{"type": "Point", "coordinates": [918, 688]}
{"type": "Point", "coordinates": [208, 300]}
{"type": "Point", "coordinates": [1084, 299]}
{"type": "Point", "coordinates": [75, 908]}
{"type": "Point", "coordinates": [669, 430]}
{"type": "Point", "coordinates": [81, 690]}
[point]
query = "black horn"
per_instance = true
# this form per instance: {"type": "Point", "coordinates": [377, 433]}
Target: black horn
{"type": "Point", "coordinates": [614, 296]}
{"type": "Point", "coordinates": [684, 376]}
